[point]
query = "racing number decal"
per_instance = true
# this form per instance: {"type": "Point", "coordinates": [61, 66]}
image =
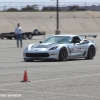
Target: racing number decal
{"type": "Point", "coordinates": [79, 49]}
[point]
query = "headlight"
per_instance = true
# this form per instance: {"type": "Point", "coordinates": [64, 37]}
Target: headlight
{"type": "Point", "coordinates": [53, 48]}
{"type": "Point", "coordinates": [26, 49]}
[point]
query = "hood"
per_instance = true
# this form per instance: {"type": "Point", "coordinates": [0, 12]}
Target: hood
{"type": "Point", "coordinates": [44, 45]}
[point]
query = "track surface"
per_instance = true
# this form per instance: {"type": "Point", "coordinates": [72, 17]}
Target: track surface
{"type": "Point", "coordinates": [70, 80]}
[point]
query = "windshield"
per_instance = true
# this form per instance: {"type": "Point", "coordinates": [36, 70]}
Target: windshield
{"type": "Point", "coordinates": [58, 39]}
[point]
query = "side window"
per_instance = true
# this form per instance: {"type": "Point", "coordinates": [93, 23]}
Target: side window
{"type": "Point", "coordinates": [76, 39]}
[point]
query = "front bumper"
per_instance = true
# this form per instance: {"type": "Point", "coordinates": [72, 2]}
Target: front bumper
{"type": "Point", "coordinates": [41, 55]}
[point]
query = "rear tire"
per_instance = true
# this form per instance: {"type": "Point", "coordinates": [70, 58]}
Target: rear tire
{"type": "Point", "coordinates": [91, 52]}
{"type": "Point", "coordinates": [30, 36]}
{"type": "Point", "coordinates": [63, 54]}
{"type": "Point", "coordinates": [24, 36]}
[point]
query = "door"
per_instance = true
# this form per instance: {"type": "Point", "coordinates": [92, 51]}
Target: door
{"type": "Point", "coordinates": [77, 49]}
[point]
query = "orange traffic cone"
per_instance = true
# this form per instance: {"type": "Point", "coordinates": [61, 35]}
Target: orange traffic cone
{"type": "Point", "coordinates": [25, 77]}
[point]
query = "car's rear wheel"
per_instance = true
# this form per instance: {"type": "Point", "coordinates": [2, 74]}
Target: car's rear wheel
{"type": "Point", "coordinates": [63, 54]}
{"type": "Point", "coordinates": [91, 52]}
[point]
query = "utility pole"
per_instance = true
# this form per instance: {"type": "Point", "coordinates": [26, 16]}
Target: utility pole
{"type": "Point", "coordinates": [57, 18]}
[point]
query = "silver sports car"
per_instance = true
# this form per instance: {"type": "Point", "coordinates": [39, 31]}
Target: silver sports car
{"type": "Point", "coordinates": [61, 47]}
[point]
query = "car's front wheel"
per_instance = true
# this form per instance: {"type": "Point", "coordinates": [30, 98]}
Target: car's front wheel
{"type": "Point", "coordinates": [63, 54]}
{"type": "Point", "coordinates": [91, 52]}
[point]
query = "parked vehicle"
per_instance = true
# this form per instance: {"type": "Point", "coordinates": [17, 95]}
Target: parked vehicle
{"type": "Point", "coordinates": [25, 35]}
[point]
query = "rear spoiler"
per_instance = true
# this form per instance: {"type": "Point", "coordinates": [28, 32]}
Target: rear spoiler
{"type": "Point", "coordinates": [88, 35]}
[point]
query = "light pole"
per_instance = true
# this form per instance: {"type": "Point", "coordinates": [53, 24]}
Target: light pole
{"type": "Point", "coordinates": [57, 18]}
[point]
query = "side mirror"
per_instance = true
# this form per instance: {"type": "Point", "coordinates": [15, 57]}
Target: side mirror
{"type": "Point", "coordinates": [40, 41]}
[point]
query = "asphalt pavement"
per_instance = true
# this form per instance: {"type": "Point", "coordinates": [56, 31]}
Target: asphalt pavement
{"type": "Point", "coordinates": [76, 79]}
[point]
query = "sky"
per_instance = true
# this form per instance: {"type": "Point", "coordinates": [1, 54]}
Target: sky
{"type": "Point", "coordinates": [5, 4]}
{"type": "Point", "coordinates": [49, 1]}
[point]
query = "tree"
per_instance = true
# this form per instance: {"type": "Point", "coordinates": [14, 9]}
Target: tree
{"type": "Point", "coordinates": [30, 8]}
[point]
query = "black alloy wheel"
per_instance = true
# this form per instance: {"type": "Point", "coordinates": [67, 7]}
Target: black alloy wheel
{"type": "Point", "coordinates": [91, 52]}
{"type": "Point", "coordinates": [63, 54]}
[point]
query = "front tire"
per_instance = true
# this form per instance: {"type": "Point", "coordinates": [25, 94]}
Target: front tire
{"type": "Point", "coordinates": [91, 52]}
{"type": "Point", "coordinates": [63, 54]}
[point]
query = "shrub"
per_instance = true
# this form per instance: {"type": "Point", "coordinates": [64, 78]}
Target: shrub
{"type": "Point", "coordinates": [12, 9]}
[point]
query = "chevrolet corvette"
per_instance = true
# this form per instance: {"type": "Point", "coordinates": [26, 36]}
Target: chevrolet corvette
{"type": "Point", "coordinates": [62, 48]}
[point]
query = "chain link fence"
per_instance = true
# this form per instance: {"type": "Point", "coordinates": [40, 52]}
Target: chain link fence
{"type": "Point", "coordinates": [39, 6]}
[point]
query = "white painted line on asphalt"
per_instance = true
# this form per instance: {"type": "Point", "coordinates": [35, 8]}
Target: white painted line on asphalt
{"type": "Point", "coordinates": [52, 93]}
{"type": "Point", "coordinates": [52, 79]}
